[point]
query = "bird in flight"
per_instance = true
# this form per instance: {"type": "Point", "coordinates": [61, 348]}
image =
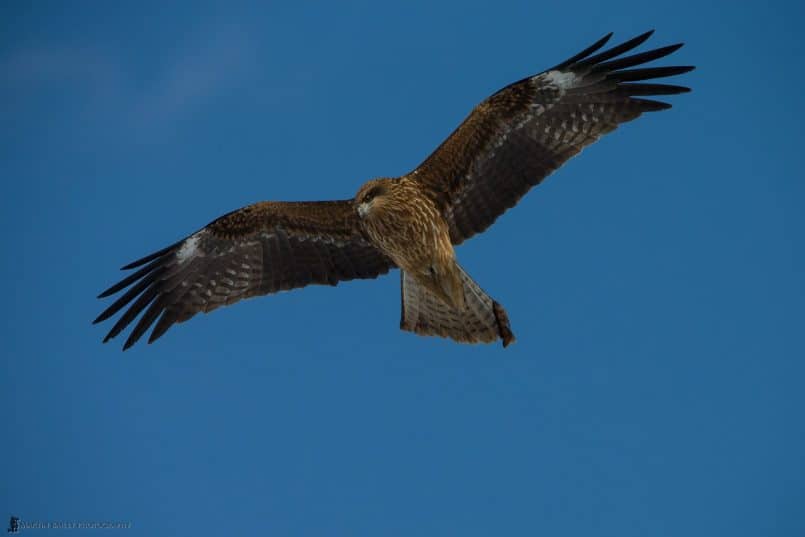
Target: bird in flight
{"type": "Point", "coordinates": [510, 142]}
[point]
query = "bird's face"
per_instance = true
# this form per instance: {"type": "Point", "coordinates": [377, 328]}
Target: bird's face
{"type": "Point", "coordinates": [371, 196]}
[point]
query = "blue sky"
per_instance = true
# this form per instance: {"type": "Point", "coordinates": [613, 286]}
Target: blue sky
{"type": "Point", "coordinates": [655, 283]}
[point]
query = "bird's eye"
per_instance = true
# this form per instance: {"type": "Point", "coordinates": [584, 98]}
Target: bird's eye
{"type": "Point", "coordinates": [371, 195]}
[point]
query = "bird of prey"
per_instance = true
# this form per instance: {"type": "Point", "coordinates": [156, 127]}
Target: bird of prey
{"type": "Point", "coordinates": [510, 142]}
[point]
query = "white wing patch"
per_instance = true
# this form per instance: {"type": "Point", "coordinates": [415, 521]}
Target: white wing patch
{"type": "Point", "coordinates": [560, 79]}
{"type": "Point", "coordinates": [188, 249]}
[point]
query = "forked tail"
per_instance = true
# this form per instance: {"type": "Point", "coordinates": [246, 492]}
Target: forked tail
{"type": "Point", "coordinates": [482, 320]}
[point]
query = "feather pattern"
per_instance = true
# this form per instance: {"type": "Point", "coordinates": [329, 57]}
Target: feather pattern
{"type": "Point", "coordinates": [521, 134]}
{"type": "Point", "coordinates": [482, 320]}
{"type": "Point", "coordinates": [259, 249]}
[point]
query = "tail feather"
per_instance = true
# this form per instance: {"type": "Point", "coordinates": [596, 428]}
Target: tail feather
{"type": "Point", "coordinates": [480, 320]}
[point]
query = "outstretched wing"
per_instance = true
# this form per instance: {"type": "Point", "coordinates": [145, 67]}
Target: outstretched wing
{"type": "Point", "coordinates": [257, 250]}
{"type": "Point", "coordinates": [518, 136]}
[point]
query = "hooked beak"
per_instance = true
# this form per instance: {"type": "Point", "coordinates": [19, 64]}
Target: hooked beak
{"type": "Point", "coordinates": [363, 209]}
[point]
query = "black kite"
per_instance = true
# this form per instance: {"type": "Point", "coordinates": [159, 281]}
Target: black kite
{"type": "Point", "coordinates": [510, 142]}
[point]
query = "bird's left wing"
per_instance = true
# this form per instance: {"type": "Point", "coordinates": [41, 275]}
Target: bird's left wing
{"type": "Point", "coordinates": [518, 136]}
{"type": "Point", "coordinates": [257, 250]}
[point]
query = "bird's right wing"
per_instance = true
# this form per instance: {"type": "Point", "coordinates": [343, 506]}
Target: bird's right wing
{"type": "Point", "coordinates": [257, 250]}
{"type": "Point", "coordinates": [515, 138]}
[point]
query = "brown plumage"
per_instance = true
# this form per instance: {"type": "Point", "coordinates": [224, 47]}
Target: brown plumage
{"type": "Point", "coordinates": [509, 143]}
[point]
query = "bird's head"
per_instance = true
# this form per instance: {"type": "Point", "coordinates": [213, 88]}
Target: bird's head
{"type": "Point", "coordinates": [371, 195]}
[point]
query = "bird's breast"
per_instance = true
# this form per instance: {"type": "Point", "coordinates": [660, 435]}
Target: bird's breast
{"type": "Point", "coordinates": [411, 231]}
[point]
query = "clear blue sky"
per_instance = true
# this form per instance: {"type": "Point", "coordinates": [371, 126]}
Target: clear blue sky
{"type": "Point", "coordinates": [655, 283]}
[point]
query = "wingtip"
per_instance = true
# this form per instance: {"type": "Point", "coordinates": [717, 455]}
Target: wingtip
{"type": "Point", "coordinates": [105, 314]}
{"type": "Point", "coordinates": [649, 105]}
{"type": "Point", "coordinates": [642, 38]}
{"type": "Point", "coordinates": [151, 257]}
{"type": "Point", "coordinates": [601, 42]}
